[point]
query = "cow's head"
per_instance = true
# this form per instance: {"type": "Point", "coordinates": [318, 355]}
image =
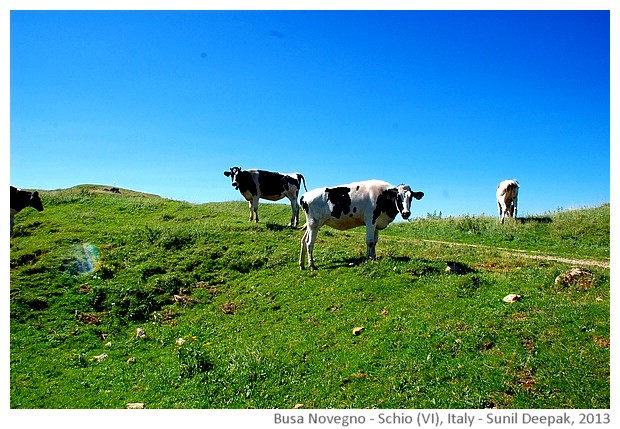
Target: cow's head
{"type": "Point", "coordinates": [404, 199]}
{"type": "Point", "coordinates": [233, 173]}
{"type": "Point", "coordinates": [35, 201]}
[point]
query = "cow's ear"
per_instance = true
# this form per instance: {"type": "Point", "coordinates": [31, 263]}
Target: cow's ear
{"type": "Point", "coordinates": [227, 173]}
{"type": "Point", "coordinates": [35, 194]}
{"type": "Point", "coordinates": [418, 195]}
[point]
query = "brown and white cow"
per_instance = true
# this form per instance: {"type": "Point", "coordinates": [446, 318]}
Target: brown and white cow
{"type": "Point", "coordinates": [22, 199]}
{"type": "Point", "coordinates": [507, 193]}
{"type": "Point", "coordinates": [373, 203]}
{"type": "Point", "coordinates": [256, 184]}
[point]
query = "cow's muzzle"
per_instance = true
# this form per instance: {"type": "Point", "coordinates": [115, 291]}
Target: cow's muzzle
{"type": "Point", "coordinates": [235, 185]}
{"type": "Point", "coordinates": [405, 215]}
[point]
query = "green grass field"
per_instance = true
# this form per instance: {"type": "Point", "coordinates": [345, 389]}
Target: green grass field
{"type": "Point", "coordinates": [228, 320]}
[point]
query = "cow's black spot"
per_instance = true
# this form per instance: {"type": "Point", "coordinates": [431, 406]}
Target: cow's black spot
{"type": "Point", "coordinates": [304, 204]}
{"type": "Point", "coordinates": [386, 203]}
{"type": "Point", "coordinates": [340, 199]}
{"type": "Point", "coordinates": [290, 180]}
{"type": "Point", "coordinates": [272, 184]}
{"type": "Point", "coordinates": [246, 183]}
{"type": "Point", "coordinates": [354, 209]}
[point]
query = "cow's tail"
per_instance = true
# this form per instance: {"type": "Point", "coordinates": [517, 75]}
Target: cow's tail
{"type": "Point", "coordinates": [302, 179]}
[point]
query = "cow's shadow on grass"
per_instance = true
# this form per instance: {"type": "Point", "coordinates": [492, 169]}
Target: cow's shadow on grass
{"type": "Point", "coordinates": [534, 219]}
{"type": "Point", "coordinates": [361, 260]}
{"type": "Point", "coordinates": [277, 227]}
{"type": "Point", "coordinates": [419, 267]}
{"type": "Point", "coordinates": [454, 267]}
{"type": "Point", "coordinates": [347, 262]}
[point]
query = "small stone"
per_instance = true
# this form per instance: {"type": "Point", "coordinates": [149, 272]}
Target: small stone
{"type": "Point", "coordinates": [358, 330]}
{"type": "Point", "coordinates": [513, 297]}
{"type": "Point", "coordinates": [131, 360]}
{"type": "Point", "coordinates": [582, 279]}
{"type": "Point", "coordinates": [100, 357]}
{"type": "Point", "coordinates": [229, 308]}
{"type": "Point", "coordinates": [140, 333]}
{"type": "Point", "coordinates": [135, 406]}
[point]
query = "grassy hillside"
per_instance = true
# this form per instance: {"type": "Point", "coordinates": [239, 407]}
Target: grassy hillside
{"type": "Point", "coordinates": [130, 298]}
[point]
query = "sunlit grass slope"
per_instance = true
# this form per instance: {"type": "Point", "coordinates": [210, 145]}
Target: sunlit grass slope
{"type": "Point", "coordinates": [130, 298]}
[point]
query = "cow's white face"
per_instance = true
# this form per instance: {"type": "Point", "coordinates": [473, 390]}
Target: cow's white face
{"type": "Point", "coordinates": [405, 197]}
{"type": "Point", "coordinates": [233, 173]}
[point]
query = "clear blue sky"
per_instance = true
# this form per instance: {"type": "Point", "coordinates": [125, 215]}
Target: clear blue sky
{"type": "Point", "coordinates": [450, 102]}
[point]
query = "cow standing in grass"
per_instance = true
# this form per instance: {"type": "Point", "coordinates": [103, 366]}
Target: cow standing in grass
{"type": "Point", "coordinates": [22, 199]}
{"type": "Point", "coordinates": [256, 184]}
{"type": "Point", "coordinates": [507, 193]}
{"type": "Point", "coordinates": [373, 203]}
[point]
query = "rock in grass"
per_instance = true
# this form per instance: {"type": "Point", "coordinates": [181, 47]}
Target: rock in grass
{"type": "Point", "coordinates": [135, 406]}
{"type": "Point", "coordinates": [140, 333]}
{"type": "Point", "coordinates": [513, 297]}
{"type": "Point", "coordinates": [578, 277]}
{"type": "Point", "coordinates": [358, 330]}
{"type": "Point", "coordinates": [229, 308]}
{"type": "Point", "coordinates": [100, 357]}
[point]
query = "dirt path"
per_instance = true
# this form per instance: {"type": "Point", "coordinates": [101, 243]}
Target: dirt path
{"type": "Point", "coordinates": [525, 254]}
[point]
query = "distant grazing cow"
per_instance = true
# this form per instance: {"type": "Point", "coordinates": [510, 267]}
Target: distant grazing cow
{"type": "Point", "coordinates": [507, 192]}
{"type": "Point", "coordinates": [372, 203]}
{"type": "Point", "coordinates": [256, 184]}
{"type": "Point", "coordinates": [22, 199]}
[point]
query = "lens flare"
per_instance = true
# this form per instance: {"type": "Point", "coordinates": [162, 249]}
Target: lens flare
{"type": "Point", "coordinates": [84, 259]}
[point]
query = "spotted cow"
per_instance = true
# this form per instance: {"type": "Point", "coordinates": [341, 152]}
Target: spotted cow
{"type": "Point", "coordinates": [507, 193]}
{"type": "Point", "coordinates": [256, 184]}
{"type": "Point", "coordinates": [373, 203]}
{"type": "Point", "coordinates": [22, 199]}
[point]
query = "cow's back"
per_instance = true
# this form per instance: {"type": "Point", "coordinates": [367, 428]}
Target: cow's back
{"type": "Point", "coordinates": [507, 192]}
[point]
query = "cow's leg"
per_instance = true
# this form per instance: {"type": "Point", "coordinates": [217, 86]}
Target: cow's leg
{"type": "Point", "coordinates": [372, 236]}
{"type": "Point", "coordinates": [502, 212]}
{"type": "Point", "coordinates": [499, 211]}
{"type": "Point", "coordinates": [514, 209]}
{"type": "Point", "coordinates": [307, 246]}
{"type": "Point", "coordinates": [294, 209]}
{"type": "Point", "coordinates": [254, 209]}
{"type": "Point", "coordinates": [303, 251]}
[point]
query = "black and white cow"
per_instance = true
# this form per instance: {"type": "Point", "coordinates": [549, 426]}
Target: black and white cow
{"type": "Point", "coordinates": [22, 199]}
{"type": "Point", "coordinates": [373, 203]}
{"type": "Point", "coordinates": [506, 194]}
{"type": "Point", "coordinates": [256, 184]}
